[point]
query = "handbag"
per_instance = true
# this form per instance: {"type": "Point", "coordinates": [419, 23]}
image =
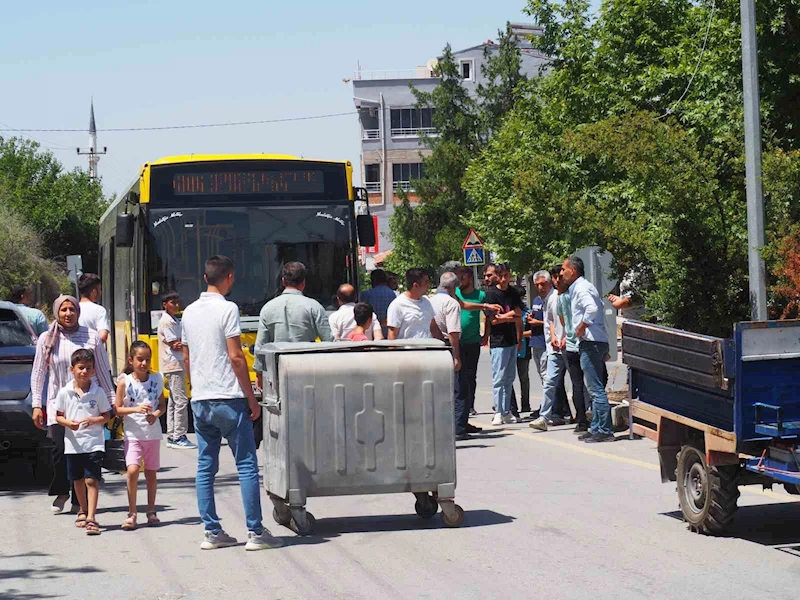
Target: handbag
{"type": "Point", "coordinates": [114, 457]}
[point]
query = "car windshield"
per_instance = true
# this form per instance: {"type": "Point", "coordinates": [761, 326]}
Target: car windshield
{"type": "Point", "coordinates": [13, 331]}
{"type": "Point", "coordinates": [259, 240]}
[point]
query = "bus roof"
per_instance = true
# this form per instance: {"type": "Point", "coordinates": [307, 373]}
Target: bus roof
{"type": "Point", "coordinates": [189, 158]}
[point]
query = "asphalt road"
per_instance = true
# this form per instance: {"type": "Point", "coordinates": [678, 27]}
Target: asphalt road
{"type": "Point", "coordinates": [546, 517]}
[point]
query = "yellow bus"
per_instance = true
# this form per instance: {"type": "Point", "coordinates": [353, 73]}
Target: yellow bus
{"type": "Point", "coordinates": [260, 210]}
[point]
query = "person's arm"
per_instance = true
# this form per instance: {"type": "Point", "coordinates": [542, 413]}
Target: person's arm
{"type": "Point", "coordinates": [63, 421]}
{"type": "Point", "coordinates": [38, 377]}
{"type": "Point", "coordinates": [587, 311]}
{"type": "Point", "coordinates": [262, 337]}
{"type": "Point", "coordinates": [102, 326]}
{"type": "Point", "coordinates": [321, 323]}
{"type": "Point", "coordinates": [186, 363]}
{"type": "Point", "coordinates": [101, 420]}
{"type": "Point", "coordinates": [239, 365]}
{"type": "Point", "coordinates": [477, 305]}
{"type": "Point", "coordinates": [377, 332]}
{"type": "Point", "coordinates": [520, 331]}
{"type": "Point", "coordinates": [103, 371]}
{"type": "Point", "coordinates": [435, 331]}
{"type": "Point", "coordinates": [455, 341]}
{"type": "Point", "coordinates": [620, 302]}
{"type": "Point", "coordinates": [487, 330]}
{"type": "Point", "coordinates": [162, 406]}
{"type": "Point", "coordinates": [335, 330]}
{"type": "Point", "coordinates": [393, 332]}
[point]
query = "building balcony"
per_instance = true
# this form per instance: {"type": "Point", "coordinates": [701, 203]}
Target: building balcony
{"type": "Point", "coordinates": [418, 73]}
{"type": "Point", "coordinates": [401, 132]}
{"type": "Point", "coordinates": [406, 186]}
{"type": "Point", "coordinates": [373, 186]}
{"type": "Point", "coordinates": [370, 134]}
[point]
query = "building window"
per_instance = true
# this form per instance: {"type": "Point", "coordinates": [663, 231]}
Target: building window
{"type": "Point", "coordinates": [372, 178]}
{"type": "Point", "coordinates": [467, 73]}
{"type": "Point", "coordinates": [411, 121]}
{"type": "Point", "coordinates": [404, 175]}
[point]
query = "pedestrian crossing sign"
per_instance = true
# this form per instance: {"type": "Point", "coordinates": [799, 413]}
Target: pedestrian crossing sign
{"type": "Point", "coordinates": [474, 257]}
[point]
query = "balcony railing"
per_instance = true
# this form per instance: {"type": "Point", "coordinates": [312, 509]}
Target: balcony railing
{"type": "Point", "coordinates": [406, 186]}
{"type": "Point", "coordinates": [418, 73]}
{"type": "Point", "coordinates": [370, 134]}
{"type": "Point", "coordinates": [373, 186]}
{"type": "Point", "coordinates": [412, 131]}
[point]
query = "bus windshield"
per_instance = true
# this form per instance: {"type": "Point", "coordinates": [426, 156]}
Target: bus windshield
{"type": "Point", "coordinates": [259, 240]}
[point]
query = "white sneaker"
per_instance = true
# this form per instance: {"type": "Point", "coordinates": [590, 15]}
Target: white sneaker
{"type": "Point", "coordinates": [498, 419]}
{"type": "Point", "coordinates": [540, 424]}
{"type": "Point", "coordinates": [221, 539]}
{"type": "Point", "coordinates": [263, 541]}
{"type": "Point", "coordinates": [509, 418]}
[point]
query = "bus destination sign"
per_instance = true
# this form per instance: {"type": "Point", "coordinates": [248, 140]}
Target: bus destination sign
{"type": "Point", "coordinates": [248, 182]}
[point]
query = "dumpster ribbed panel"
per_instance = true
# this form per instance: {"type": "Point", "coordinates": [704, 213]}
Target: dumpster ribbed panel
{"type": "Point", "coordinates": [400, 459]}
{"type": "Point", "coordinates": [429, 433]}
{"type": "Point", "coordinates": [309, 423]}
{"type": "Point", "coordinates": [341, 429]}
{"type": "Point", "coordinates": [370, 427]}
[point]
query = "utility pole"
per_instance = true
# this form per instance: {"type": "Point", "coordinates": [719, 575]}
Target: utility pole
{"type": "Point", "coordinates": [752, 141]}
{"type": "Point", "coordinates": [93, 153]}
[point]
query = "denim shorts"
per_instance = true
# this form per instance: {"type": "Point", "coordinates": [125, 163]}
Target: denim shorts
{"type": "Point", "coordinates": [84, 466]}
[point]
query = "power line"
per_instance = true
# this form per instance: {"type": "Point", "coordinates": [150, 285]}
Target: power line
{"type": "Point", "coordinates": [199, 126]}
{"type": "Point", "coordinates": [671, 109]}
{"type": "Point", "coordinates": [43, 143]}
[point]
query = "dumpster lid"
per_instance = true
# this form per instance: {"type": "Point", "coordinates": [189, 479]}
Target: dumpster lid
{"type": "Point", "coordinates": [380, 345]}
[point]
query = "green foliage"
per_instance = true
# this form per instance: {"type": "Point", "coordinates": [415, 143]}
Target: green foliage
{"type": "Point", "coordinates": [22, 261]}
{"type": "Point", "coordinates": [62, 207]}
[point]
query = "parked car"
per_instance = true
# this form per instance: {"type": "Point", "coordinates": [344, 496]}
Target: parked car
{"type": "Point", "coordinates": [18, 434]}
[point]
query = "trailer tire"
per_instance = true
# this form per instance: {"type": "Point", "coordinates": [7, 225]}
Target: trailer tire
{"type": "Point", "coordinates": [792, 488]}
{"type": "Point", "coordinates": [707, 495]}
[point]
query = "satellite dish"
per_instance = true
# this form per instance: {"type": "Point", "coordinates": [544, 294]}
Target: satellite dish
{"type": "Point", "coordinates": [432, 64]}
{"type": "Point", "coordinates": [597, 263]}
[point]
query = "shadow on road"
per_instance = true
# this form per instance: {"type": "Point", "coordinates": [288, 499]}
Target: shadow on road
{"type": "Point", "coordinates": [34, 573]}
{"type": "Point", "coordinates": [335, 526]}
{"type": "Point", "coordinates": [776, 525]}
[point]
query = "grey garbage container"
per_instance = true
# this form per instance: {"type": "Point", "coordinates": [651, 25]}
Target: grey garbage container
{"type": "Point", "coordinates": [348, 418]}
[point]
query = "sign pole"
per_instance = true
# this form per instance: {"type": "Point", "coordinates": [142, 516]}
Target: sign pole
{"type": "Point", "coordinates": [475, 275]}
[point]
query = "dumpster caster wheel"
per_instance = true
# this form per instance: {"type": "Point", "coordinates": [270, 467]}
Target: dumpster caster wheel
{"type": "Point", "coordinates": [453, 517]}
{"type": "Point", "coordinates": [282, 518]}
{"type": "Point", "coordinates": [307, 529]}
{"type": "Point", "coordinates": [426, 507]}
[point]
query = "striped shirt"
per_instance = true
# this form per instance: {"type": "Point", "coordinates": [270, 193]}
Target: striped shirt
{"type": "Point", "coordinates": [59, 373]}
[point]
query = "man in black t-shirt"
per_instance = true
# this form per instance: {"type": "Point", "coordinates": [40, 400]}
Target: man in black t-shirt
{"type": "Point", "coordinates": [505, 340]}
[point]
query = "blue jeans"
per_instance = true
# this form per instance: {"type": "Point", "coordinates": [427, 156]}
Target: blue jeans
{"type": "Point", "coordinates": [592, 362]}
{"type": "Point", "coordinates": [213, 420]}
{"type": "Point", "coordinates": [504, 371]}
{"type": "Point", "coordinates": [553, 379]}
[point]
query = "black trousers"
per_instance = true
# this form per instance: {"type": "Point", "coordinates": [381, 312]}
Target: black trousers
{"type": "Point", "coordinates": [579, 392]}
{"type": "Point", "coordinates": [523, 372]}
{"type": "Point", "coordinates": [468, 375]}
{"type": "Point", "coordinates": [60, 484]}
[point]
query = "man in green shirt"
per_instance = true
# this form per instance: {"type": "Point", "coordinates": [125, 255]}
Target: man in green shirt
{"type": "Point", "coordinates": [471, 339]}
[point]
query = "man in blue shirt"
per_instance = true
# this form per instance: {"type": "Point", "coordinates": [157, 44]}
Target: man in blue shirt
{"type": "Point", "coordinates": [380, 296]}
{"type": "Point", "coordinates": [22, 297]}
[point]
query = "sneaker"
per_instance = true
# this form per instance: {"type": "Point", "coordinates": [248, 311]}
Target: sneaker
{"type": "Point", "coordinates": [509, 418]}
{"type": "Point", "coordinates": [498, 419]}
{"type": "Point", "coordinates": [473, 412]}
{"type": "Point", "coordinates": [581, 428]}
{"type": "Point", "coordinates": [473, 429]}
{"type": "Point", "coordinates": [540, 424]}
{"type": "Point", "coordinates": [585, 436]}
{"type": "Point", "coordinates": [534, 414]}
{"type": "Point", "coordinates": [220, 539]}
{"type": "Point", "coordinates": [599, 438]}
{"type": "Point", "coordinates": [182, 443]}
{"type": "Point", "coordinates": [556, 421]}
{"type": "Point", "coordinates": [262, 541]}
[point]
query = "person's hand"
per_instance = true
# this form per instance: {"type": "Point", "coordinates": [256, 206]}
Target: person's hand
{"type": "Point", "coordinates": [494, 308]}
{"type": "Point", "coordinates": [607, 358]}
{"type": "Point", "coordinates": [529, 319]}
{"type": "Point", "coordinates": [580, 330]}
{"type": "Point", "coordinates": [613, 298]}
{"type": "Point", "coordinates": [142, 409]}
{"type": "Point", "coordinates": [151, 418]}
{"type": "Point", "coordinates": [75, 425]}
{"type": "Point", "coordinates": [457, 364]}
{"type": "Point", "coordinates": [255, 408]}
{"type": "Point", "coordinates": [38, 418]}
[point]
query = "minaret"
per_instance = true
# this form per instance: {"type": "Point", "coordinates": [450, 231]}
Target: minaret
{"type": "Point", "coordinates": [93, 153]}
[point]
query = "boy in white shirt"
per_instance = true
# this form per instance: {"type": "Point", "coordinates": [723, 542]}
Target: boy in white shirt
{"type": "Point", "coordinates": [92, 315]}
{"type": "Point", "coordinates": [83, 408]}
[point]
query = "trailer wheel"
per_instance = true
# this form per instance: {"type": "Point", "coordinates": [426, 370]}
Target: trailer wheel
{"type": "Point", "coordinates": [792, 488]}
{"type": "Point", "coordinates": [707, 495]}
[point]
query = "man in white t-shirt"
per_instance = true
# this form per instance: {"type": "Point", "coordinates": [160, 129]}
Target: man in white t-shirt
{"type": "Point", "coordinates": [93, 315]}
{"type": "Point", "coordinates": [343, 321]}
{"type": "Point", "coordinates": [411, 314]}
{"type": "Point", "coordinates": [223, 404]}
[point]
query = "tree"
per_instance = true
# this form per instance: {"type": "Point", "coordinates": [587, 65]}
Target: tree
{"type": "Point", "coordinates": [62, 207]}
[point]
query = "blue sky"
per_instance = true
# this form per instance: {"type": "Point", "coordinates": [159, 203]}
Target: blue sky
{"type": "Point", "coordinates": [177, 62]}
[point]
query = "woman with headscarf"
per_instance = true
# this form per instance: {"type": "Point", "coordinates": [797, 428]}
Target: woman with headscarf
{"type": "Point", "coordinates": [52, 366]}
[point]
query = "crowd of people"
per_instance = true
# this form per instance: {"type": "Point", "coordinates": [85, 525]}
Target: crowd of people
{"type": "Point", "coordinates": [74, 396]}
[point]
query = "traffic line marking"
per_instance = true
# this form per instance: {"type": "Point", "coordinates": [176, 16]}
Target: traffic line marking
{"type": "Point", "coordinates": [542, 439]}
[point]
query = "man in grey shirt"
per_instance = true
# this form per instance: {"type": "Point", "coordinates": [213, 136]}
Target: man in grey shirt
{"type": "Point", "coordinates": [291, 316]}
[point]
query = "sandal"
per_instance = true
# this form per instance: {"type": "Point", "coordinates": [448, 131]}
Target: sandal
{"type": "Point", "coordinates": [80, 521]}
{"type": "Point", "coordinates": [129, 524]}
{"type": "Point", "coordinates": [92, 528]}
{"type": "Point", "coordinates": [152, 519]}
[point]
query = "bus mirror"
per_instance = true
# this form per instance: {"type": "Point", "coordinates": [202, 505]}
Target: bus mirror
{"type": "Point", "coordinates": [366, 230]}
{"type": "Point", "coordinates": [126, 225]}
